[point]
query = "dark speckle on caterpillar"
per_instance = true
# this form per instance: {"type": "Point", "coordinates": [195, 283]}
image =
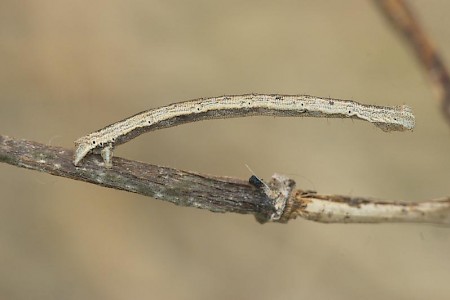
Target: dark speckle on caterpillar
{"type": "Point", "coordinates": [397, 118]}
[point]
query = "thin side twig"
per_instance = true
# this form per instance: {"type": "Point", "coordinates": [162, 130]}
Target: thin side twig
{"type": "Point", "coordinates": [276, 201]}
{"type": "Point", "coordinates": [346, 209]}
{"type": "Point", "coordinates": [403, 19]}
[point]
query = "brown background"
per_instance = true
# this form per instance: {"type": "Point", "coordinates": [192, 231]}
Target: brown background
{"type": "Point", "coordinates": [71, 67]}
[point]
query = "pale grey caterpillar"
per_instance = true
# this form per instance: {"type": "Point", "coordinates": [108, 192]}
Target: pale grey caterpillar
{"type": "Point", "coordinates": [396, 118]}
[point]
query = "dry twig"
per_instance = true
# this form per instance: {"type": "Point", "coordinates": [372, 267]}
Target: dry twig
{"type": "Point", "coordinates": [278, 201]}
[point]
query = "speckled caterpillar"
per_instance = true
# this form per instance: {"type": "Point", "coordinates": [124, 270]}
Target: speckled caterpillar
{"type": "Point", "coordinates": [397, 118]}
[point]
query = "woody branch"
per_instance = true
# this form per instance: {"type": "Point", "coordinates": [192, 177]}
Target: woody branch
{"type": "Point", "coordinates": [278, 201]}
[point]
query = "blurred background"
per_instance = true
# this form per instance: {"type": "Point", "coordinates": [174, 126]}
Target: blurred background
{"type": "Point", "coordinates": [71, 67]}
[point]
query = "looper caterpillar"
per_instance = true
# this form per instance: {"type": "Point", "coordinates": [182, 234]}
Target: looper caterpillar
{"type": "Point", "coordinates": [397, 118]}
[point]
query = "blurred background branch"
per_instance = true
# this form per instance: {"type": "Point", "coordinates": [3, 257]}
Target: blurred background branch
{"type": "Point", "coordinates": [404, 20]}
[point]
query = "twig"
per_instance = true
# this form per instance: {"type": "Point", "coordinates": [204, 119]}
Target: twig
{"type": "Point", "coordinates": [404, 21]}
{"type": "Point", "coordinates": [218, 194]}
{"type": "Point", "coordinates": [278, 201]}
{"type": "Point", "coordinates": [345, 209]}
